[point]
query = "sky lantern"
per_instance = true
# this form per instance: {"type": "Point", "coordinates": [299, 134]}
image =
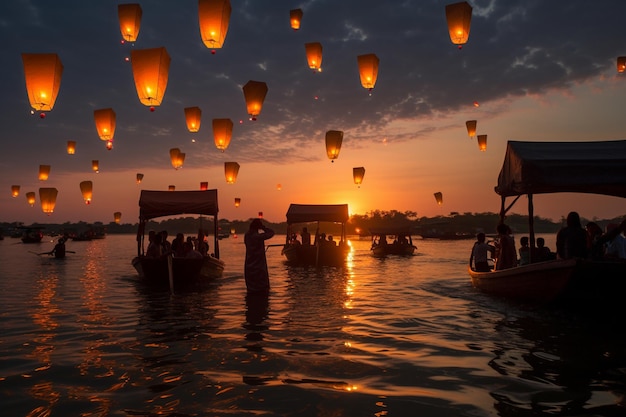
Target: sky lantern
{"type": "Point", "coordinates": [43, 80]}
{"type": "Point", "coordinates": [314, 55]}
{"type": "Point", "coordinates": [237, 201]}
{"type": "Point", "coordinates": [139, 178]}
{"type": "Point", "coordinates": [214, 17]}
{"type": "Point", "coordinates": [222, 133]}
{"type": "Point", "coordinates": [279, 187]}
{"type": "Point", "coordinates": [71, 147]}
{"type": "Point", "coordinates": [254, 93]}
{"type": "Point", "coordinates": [30, 198]}
{"type": "Point", "coordinates": [129, 16]}
{"type": "Point", "coordinates": [95, 166]}
{"type": "Point", "coordinates": [192, 117]}
{"type": "Point", "coordinates": [368, 70]}
{"type": "Point", "coordinates": [204, 186]}
{"type": "Point", "coordinates": [471, 128]}
{"type": "Point", "coordinates": [439, 198]}
{"type": "Point", "coordinates": [117, 217]}
{"type": "Point", "coordinates": [171, 188]}
{"type": "Point", "coordinates": [151, 69]}
{"type": "Point", "coordinates": [44, 172]}
{"type": "Point", "coordinates": [333, 144]}
{"type": "Point", "coordinates": [482, 142]}
{"type": "Point", "coordinates": [109, 145]}
{"type": "Point", "coordinates": [86, 188]}
{"type": "Point", "coordinates": [459, 17]}
{"type": "Point", "coordinates": [105, 123]}
{"type": "Point", "coordinates": [231, 169]}
{"type": "Point", "coordinates": [48, 198]}
{"type": "Point", "coordinates": [621, 63]}
{"type": "Point", "coordinates": [358, 173]}
{"type": "Point", "coordinates": [295, 18]}
{"type": "Point", "coordinates": [177, 157]}
{"type": "Point", "coordinates": [15, 190]}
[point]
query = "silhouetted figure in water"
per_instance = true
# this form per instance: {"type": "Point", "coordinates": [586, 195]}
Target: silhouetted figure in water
{"type": "Point", "coordinates": [59, 249]}
{"type": "Point", "coordinates": [255, 267]}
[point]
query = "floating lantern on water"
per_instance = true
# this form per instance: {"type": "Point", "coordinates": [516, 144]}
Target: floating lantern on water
{"type": "Point", "coordinates": [368, 70]}
{"type": "Point", "coordinates": [621, 63]}
{"type": "Point", "coordinates": [254, 93]}
{"type": "Point", "coordinates": [237, 201]}
{"type": "Point", "coordinates": [358, 173]}
{"type": "Point", "coordinates": [459, 18]}
{"type": "Point", "coordinates": [105, 123]}
{"type": "Point", "coordinates": [117, 217]}
{"type": "Point", "coordinates": [43, 80]}
{"type": "Point", "coordinates": [482, 142]}
{"type": "Point", "coordinates": [48, 198]}
{"type": "Point", "coordinates": [222, 133]}
{"type": "Point", "coordinates": [471, 128]}
{"type": "Point", "coordinates": [44, 172]}
{"type": "Point", "coordinates": [95, 166]}
{"type": "Point", "coordinates": [333, 144]}
{"type": "Point", "coordinates": [177, 157]}
{"type": "Point", "coordinates": [129, 16]}
{"type": "Point", "coordinates": [139, 178]}
{"type": "Point", "coordinates": [193, 116]}
{"type": "Point", "coordinates": [295, 18]}
{"type": "Point", "coordinates": [15, 190]}
{"type": "Point", "coordinates": [86, 188]}
{"type": "Point", "coordinates": [30, 198]}
{"type": "Point", "coordinates": [439, 198]}
{"type": "Point", "coordinates": [204, 186]}
{"type": "Point", "coordinates": [213, 17]}
{"type": "Point", "coordinates": [231, 170]}
{"type": "Point", "coordinates": [151, 71]}
{"type": "Point", "coordinates": [314, 55]}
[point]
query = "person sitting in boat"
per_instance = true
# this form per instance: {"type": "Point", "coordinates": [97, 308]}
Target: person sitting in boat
{"type": "Point", "coordinates": [595, 247]}
{"type": "Point", "coordinates": [305, 236]}
{"type": "Point", "coordinates": [166, 246]}
{"type": "Point", "coordinates": [524, 251]}
{"type": "Point", "coordinates": [190, 252]}
{"type": "Point", "coordinates": [506, 255]}
{"type": "Point", "coordinates": [155, 247]}
{"type": "Point", "coordinates": [402, 240]}
{"type": "Point", "coordinates": [571, 240]}
{"type": "Point", "coordinates": [616, 242]}
{"type": "Point", "coordinates": [177, 245]}
{"type": "Point", "coordinates": [202, 245]}
{"type": "Point", "coordinates": [543, 252]}
{"type": "Point", "coordinates": [59, 249]}
{"type": "Point", "coordinates": [480, 254]}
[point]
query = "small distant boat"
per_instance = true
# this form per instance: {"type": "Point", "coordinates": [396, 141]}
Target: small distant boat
{"type": "Point", "coordinates": [31, 234]}
{"type": "Point", "coordinates": [401, 241]}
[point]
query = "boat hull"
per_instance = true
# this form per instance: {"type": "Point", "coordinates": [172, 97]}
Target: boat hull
{"type": "Point", "coordinates": [402, 250]}
{"type": "Point", "coordinates": [309, 255]}
{"type": "Point", "coordinates": [187, 272]}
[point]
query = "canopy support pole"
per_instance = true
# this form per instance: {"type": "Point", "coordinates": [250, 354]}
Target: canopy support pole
{"type": "Point", "coordinates": [531, 226]}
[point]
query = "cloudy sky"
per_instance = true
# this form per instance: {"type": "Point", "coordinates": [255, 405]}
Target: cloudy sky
{"type": "Point", "coordinates": [539, 70]}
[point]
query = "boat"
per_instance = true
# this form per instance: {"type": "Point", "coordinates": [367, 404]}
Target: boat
{"type": "Point", "coordinates": [31, 234]}
{"type": "Point", "coordinates": [401, 241]}
{"type": "Point", "coordinates": [321, 252]}
{"type": "Point", "coordinates": [531, 168]}
{"type": "Point", "coordinates": [168, 270]}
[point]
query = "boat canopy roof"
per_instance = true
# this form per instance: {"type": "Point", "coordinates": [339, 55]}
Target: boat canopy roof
{"type": "Point", "coordinates": [392, 230]}
{"type": "Point", "coordinates": [553, 167]}
{"type": "Point", "coordinates": [154, 204]}
{"type": "Point", "coordinates": [303, 213]}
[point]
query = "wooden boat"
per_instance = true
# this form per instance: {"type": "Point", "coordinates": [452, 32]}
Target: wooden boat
{"type": "Point", "coordinates": [550, 167]}
{"type": "Point", "coordinates": [320, 252]}
{"type": "Point", "coordinates": [401, 244]}
{"type": "Point", "coordinates": [31, 234]}
{"type": "Point", "coordinates": [168, 270]}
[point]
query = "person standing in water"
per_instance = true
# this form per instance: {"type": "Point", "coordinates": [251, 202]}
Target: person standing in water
{"type": "Point", "coordinates": [255, 267]}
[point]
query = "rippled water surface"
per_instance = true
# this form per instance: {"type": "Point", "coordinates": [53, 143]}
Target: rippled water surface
{"type": "Point", "coordinates": [396, 336]}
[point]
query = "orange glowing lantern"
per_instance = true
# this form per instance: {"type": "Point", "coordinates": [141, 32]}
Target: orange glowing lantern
{"type": "Point", "coordinates": [48, 198]}
{"type": "Point", "coordinates": [171, 188]}
{"type": "Point", "coordinates": [204, 186]}
{"type": "Point", "coordinates": [177, 157]}
{"type": "Point", "coordinates": [43, 80]}
{"type": "Point", "coordinates": [30, 198]}
{"type": "Point", "coordinates": [295, 17]}
{"type": "Point", "coordinates": [105, 123]}
{"type": "Point", "coordinates": [44, 172]}
{"type": "Point", "coordinates": [109, 145]}
{"type": "Point", "coordinates": [260, 214]}
{"type": "Point", "coordinates": [439, 198]}
{"type": "Point", "coordinates": [358, 173]}
{"type": "Point", "coordinates": [214, 17]}
{"type": "Point", "coordinates": [471, 128]}
{"type": "Point", "coordinates": [254, 93]}
{"type": "Point", "coordinates": [482, 142]}
{"type": "Point", "coordinates": [117, 217]}
{"type": "Point", "coordinates": [621, 63]}
{"type": "Point", "coordinates": [71, 147]}
{"type": "Point", "coordinates": [314, 55]}
{"type": "Point", "coordinates": [368, 70]}
{"type": "Point", "coordinates": [333, 144]}
{"type": "Point", "coordinates": [129, 16]}
{"type": "Point", "coordinates": [192, 117]}
{"type": "Point", "coordinates": [139, 178]}
{"type": "Point", "coordinates": [459, 18]}
{"type": "Point", "coordinates": [279, 187]}
{"type": "Point", "coordinates": [15, 190]}
{"type": "Point", "coordinates": [222, 133]}
{"type": "Point", "coordinates": [231, 169]}
{"type": "Point", "coordinates": [86, 188]}
{"type": "Point", "coordinates": [95, 166]}
{"type": "Point", "coordinates": [237, 201]}
{"type": "Point", "coordinates": [151, 71]}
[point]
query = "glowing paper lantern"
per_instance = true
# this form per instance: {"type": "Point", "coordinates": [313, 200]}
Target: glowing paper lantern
{"type": "Point", "coordinates": [15, 190]}
{"type": "Point", "coordinates": [95, 166]}
{"type": "Point", "coordinates": [171, 188]}
{"type": "Point", "coordinates": [621, 63]}
{"type": "Point", "coordinates": [192, 117]}
{"type": "Point", "coordinates": [44, 172]}
{"type": "Point", "coordinates": [30, 198]}
{"type": "Point", "coordinates": [86, 188]}
{"type": "Point", "coordinates": [222, 133]}
{"type": "Point", "coordinates": [129, 16]}
{"type": "Point", "coordinates": [214, 17]}
{"type": "Point", "coordinates": [204, 186]}
{"type": "Point", "coordinates": [177, 157]}
{"type": "Point", "coordinates": [109, 145]}
{"type": "Point", "coordinates": [231, 169]}
{"type": "Point", "coordinates": [368, 70]}
{"type": "Point", "coordinates": [139, 178]}
{"type": "Point", "coordinates": [260, 214]}
{"type": "Point", "coordinates": [117, 217]}
{"type": "Point", "coordinates": [151, 71]}
{"type": "Point", "coordinates": [333, 143]}
{"type": "Point", "coordinates": [314, 55]}
{"type": "Point", "coordinates": [71, 147]}
{"type": "Point", "coordinates": [237, 201]}
{"type": "Point", "coordinates": [471, 128]}
{"type": "Point", "coordinates": [482, 142]}
{"type": "Point", "coordinates": [295, 17]}
{"type": "Point", "coordinates": [43, 80]}
{"type": "Point", "coordinates": [254, 93]}
{"type": "Point", "coordinates": [48, 198]}
{"type": "Point", "coordinates": [459, 18]}
{"type": "Point", "coordinates": [279, 187]}
{"type": "Point", "coordinates": [358, 173]}
{"type": "Point", "coordinates": [105, 123]}
{"type": "Point", "coordinates": [439, 198]}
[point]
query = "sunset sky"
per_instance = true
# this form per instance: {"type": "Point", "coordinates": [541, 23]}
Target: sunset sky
{"type": "Point", "coordinates": [539, 70]}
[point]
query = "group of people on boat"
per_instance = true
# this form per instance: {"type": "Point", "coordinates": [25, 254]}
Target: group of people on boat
{"type": "Point", "coordinates": [399, 240]}
{"type": "Point", "coordinates": [192, 247]}
{"type": "Point", "coordinates": [319, 239]}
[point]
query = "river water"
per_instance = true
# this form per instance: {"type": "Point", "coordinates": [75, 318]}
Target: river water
{"type": "Point", "coordinates": [401, 336]}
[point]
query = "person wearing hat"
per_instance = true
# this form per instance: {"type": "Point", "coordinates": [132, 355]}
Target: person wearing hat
{"type": "Point", "coordinates": [255, 267]}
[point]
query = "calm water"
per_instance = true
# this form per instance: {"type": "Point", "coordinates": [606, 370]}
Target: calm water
{"type": "Point", "coordinates": [391, 337]}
